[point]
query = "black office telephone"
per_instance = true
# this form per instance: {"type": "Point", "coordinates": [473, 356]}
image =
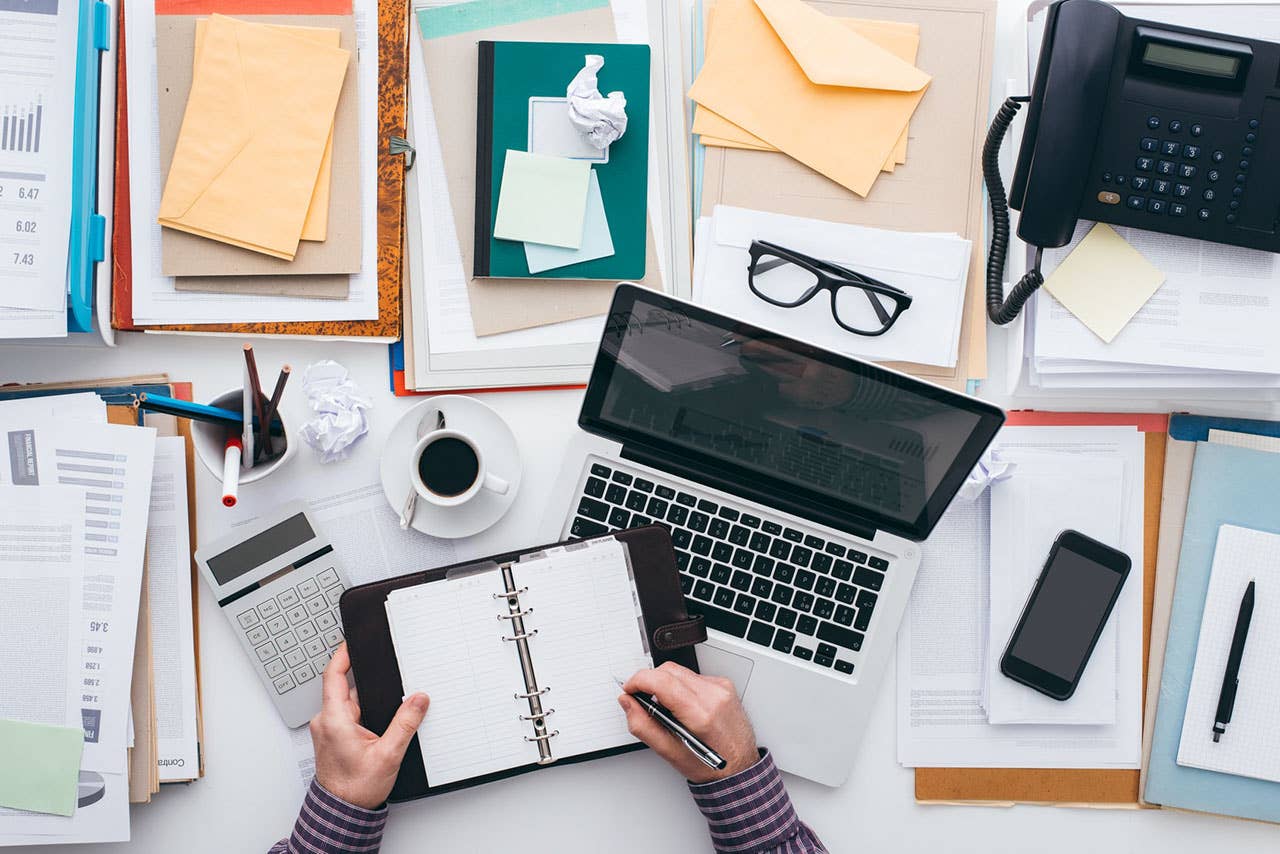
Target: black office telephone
{"type": "Point", "coordinates": [1139, 124]}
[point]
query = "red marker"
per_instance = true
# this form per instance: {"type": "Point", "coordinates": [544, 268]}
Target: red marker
{"type": "Point", "coordinates": [231, 471]}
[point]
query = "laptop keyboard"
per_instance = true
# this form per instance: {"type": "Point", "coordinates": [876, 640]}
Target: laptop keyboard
{"type": "Point", "coordinates": [748, 575]}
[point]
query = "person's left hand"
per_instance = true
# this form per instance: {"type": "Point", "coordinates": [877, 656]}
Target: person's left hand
{"type": "Point", "coordinates": [352, 762]}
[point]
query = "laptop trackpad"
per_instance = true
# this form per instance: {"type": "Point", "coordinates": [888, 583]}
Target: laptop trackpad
{"type": "Point", "coordinates": [713, 661]}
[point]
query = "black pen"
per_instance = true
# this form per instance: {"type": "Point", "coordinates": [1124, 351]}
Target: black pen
{"type": "Point", "coordinates": [1231, 679]}
{"type": "Point", "coordinates": [697, 746]}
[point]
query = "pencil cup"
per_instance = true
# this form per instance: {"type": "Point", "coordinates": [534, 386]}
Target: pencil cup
{"type": "Point", "coordinates": [210, 442]}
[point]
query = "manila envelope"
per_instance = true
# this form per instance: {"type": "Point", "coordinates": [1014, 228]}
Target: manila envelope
{"type": "Point", "coordinates": [310, 287]}
{"type": "Point", "coordinates": [232, 176]}
{"type": "Point", "coordinates": [824, 95]}
{"type": "Point", "coordinates": [899, 38]}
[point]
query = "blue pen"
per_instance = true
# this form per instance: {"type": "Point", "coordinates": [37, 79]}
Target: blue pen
{"type": "Point", "coordinates": [198, 412]}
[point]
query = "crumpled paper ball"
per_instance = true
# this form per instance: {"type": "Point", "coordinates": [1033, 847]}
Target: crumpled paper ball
{"type": "Point", "coordinates": [602, 120]}
{"type": "Point", "coordinates": [991, 468]}
{"type": "Point", "coordinates": [339, 408]}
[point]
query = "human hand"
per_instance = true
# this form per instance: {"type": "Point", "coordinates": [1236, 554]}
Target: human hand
{"type": "Point", "coordinates": [707, 705]}
{"type": "Point", "coordinates": [352, 762]}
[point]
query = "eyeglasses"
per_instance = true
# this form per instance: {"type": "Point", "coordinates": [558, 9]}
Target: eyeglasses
{"type": "Point", "coordinates": [859, 304]}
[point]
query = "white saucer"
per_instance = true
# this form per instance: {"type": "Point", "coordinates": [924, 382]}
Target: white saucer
{"type": "Point", "coordinates": [501, 453]}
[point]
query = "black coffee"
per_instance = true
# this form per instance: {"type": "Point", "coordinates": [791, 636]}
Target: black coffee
{"type": "Point", "coordinates": [448, 466]}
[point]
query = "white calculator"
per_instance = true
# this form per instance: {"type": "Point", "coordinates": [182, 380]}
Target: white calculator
{"type": "Point", "coordinates": [278, 582]}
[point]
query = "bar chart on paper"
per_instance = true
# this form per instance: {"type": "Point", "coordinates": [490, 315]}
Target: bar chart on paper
{"type": "Point", "coordinates": [20, 127]}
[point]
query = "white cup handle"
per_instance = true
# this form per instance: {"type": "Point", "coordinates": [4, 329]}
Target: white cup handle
{"type": "Point", "coordinates": [493, 483]}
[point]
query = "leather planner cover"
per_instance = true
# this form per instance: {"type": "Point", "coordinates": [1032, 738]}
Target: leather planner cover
{"type": "Point", "coordinates": [671, 635]}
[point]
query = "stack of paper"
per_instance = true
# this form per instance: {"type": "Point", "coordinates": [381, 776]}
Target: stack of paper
{"type": "Point", "coordinates": [781, 75]}
{"type": "Point", "coordinates": [1209, 321]}
{"type": "Point", "coordinates": [931, 268]}
{"type": "Point", "coordinates": [978, 568]}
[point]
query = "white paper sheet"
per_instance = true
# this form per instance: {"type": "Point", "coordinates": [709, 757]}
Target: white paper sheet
{"type": "Point", "coordinates": [942, 643]}
{"type": "Point", "coordinates": [110, 467]}
{"type": "Point", "coordinates": [98, 821]}
{"type": "Point", "coordinates": [38, 66]}
{"type": "Point", "coordinates": [172, 631]}
{"type": "Point", "coordinates": [85, 406]}
{"type": "Point", "coordinates": [932, 268]}
{"type": "Point", "coordinates": [155, 300]}
{"type": "Point", "coordinates": [1250, 746]}
{"type": "Point", "coordinates": [1047, 494]}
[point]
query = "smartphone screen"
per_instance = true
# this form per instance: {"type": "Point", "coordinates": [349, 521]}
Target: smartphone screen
{"type": "Point", "coordinates": [1065, 614]}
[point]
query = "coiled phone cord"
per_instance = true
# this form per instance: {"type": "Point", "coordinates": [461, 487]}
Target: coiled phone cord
{"type": "Point", "coordinates": [1000, 309]}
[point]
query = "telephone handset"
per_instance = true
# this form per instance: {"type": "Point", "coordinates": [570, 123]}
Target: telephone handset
{"type": "Point", "coordinates": [1139, 124]}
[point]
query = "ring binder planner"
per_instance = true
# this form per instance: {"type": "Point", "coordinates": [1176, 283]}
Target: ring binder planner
{"type": "Point", "coordinates": [492, 711]}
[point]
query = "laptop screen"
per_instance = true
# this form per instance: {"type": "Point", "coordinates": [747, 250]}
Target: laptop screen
{"type": "Point", "coordinates": [793, 426]}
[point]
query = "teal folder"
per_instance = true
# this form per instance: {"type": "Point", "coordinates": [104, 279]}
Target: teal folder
{"type": "Point", "coordinates": [1234, 486]}
{"type": "Point", "coordinates": [509, 74]}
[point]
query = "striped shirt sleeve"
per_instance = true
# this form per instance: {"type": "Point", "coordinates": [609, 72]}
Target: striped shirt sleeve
{"type": "Point", "coordinates": [329, 825]}
{"type": "Point", "coordinates": [751, 813]}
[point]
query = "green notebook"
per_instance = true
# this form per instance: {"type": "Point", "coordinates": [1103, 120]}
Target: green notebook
{"type": "Point", "coordinates": [520, 80]}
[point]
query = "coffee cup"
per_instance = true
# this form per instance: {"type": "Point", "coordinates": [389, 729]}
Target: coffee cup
{"type": "Point", "coordinates": [447, 468]}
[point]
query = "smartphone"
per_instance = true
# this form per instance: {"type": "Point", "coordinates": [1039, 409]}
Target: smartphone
{"type": "Point", "coordinates": [1065, 614]}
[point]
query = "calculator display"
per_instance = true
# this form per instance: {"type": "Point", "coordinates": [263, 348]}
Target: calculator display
{"type": "Point", "coordinates": [260, 549]}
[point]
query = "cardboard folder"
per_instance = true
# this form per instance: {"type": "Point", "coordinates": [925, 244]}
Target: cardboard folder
{"type": "Point", "coordinates": [1069, 786]}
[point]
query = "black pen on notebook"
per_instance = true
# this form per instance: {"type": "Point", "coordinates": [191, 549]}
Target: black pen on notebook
{"type": "Point", "coordinates": [1231, 678]}
{"type": "Point", "coordinates": [659, 713]}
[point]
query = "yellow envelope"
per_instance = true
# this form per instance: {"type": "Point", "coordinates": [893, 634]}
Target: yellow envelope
{"type": "Point", "coordinates": [317, 224]}
{"type": "Point", "coordinates": [900, 38]}
{"type": "Point", "coordinates": [761, 83]}
{"type": "Point", "coordinates": [253, 136]}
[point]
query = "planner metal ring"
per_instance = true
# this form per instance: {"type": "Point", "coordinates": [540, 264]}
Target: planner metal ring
{"type": "Point", "coordinates": [511, 593]}
{"type": "Point", "coordinates": [523, 613]}
{"type": "Point", "coordinates": [521, 636]}
{"type": "Point", "coordinates": [539, 716]}
{"type": "Point", "coordinates": [545, 737]}
{"type": "Point", "coordinates": [537, 693]}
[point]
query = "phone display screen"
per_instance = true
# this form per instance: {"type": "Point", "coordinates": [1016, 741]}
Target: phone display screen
{"type": "Point", "coordinates": [1191, 61]}
{"type": "Point", "coordinates": [1073, 599]}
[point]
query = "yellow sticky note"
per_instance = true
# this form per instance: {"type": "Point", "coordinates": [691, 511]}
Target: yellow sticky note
{"type": "Point", "coordinates": [316, 226]}
{"type": "Point", "coordinates": [253, 136]}
{"type": "Point", "coordinates": [1104, 281]}
{"type": "Point", "coordinates": [760, 75]}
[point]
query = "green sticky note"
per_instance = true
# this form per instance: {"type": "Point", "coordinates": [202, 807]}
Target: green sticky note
{"type": "Point", "coordinates": [542, 200]}
{"type": "Point", "coordinates": [41, 766]}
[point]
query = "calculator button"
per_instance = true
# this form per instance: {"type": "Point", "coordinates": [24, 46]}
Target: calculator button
{"type": "Point", "coordinates": [289, 599]}
{"type": "Point", "coordinates": [1175, 126]}
{"type": "Point", "coordinates": [1149, 143]}
{"type": "Point", "coordinates": [1144, 164]}
{"type": "Point", "coordinates": [320, 662]}
{"type": "Point", "coordinates": [305, 673]}
{"type": "Point", "coordinates": [1166, 167]}
{"type": "Point", "coordinates": [1136, 203]}
{"type": "Point", "coordinates": [326, 621]}
{"type": "Point", "coordinates": [314, 647]}
{"type": "Point", "coordinates": [257, 635]}
{"type": "Point", "coordinates": [1181, 191]}
{"type": "Point", "coordinates": [1170, 148]}
{"type": "Point", "coordinates": [287, 641]}
{"type": "Point", "coordinates": [1140, 182]}
{"type": "Point", "coordinates": [247, 619]}
{"type": "Point", "coordinates": [268, 609]}
{"type": "Point", "coordinates": [294, 657]}
{"type": "Point", "coordinates": [284, 683]}
{"type": "Point", "coordinates": [1156, 206]}
{"type": "Point", "coordinates": [1176, 209]}
{"type": "Point", "coordinates": [306, 631]}
{"type": "Point", "coordinates": [334, 594]}
{"type": "Point", "coordinates": [297, 615]}
{"type": "Point", "coordinates": [276, 625]}
{"type": "Point", "coordinates": [333, 637]}
{"type": "Point", "coordinates": [275, 667]}
{"type": "Point", "coordinates": [1161, 187]}
{"type": "Point", "coordinates": [266, 652]}
{"type": "Point", "coordinates": [317, 605]}
{"type": "Point", "coordinates": [1191, 152]}
{"type": "Point", "coordinates": [328, 578]}
{"type": "Point", "coordinates": [1186, 170]}
{"type": "Point", "coordinates": [309, 588]}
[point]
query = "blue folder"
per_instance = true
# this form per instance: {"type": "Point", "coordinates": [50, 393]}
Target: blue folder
{"type": "Point", "coordinates": [1234, 486]}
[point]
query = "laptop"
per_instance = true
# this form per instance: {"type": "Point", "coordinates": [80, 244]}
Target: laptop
{"type": "Point", "coordinates": [797, 484]}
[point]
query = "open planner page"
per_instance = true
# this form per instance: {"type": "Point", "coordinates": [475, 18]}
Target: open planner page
{"type": "Point", "coordinates": [588, 632]}
{"type": "Point", "coordinates": [448, 641]}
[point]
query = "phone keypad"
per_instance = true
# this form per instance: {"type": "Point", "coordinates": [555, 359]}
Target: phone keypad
{"type": "Point", "coordinates": [1167, 165]}
{"type": "Point", "coordinates": [295, 631]}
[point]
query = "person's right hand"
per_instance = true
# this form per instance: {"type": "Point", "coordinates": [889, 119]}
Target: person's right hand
{"type": "Point", "coordinates": [707, 705]}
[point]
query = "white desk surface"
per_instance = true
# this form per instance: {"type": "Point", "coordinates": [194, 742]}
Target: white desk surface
{"type": "Point", "coordinates": [250, 794]}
